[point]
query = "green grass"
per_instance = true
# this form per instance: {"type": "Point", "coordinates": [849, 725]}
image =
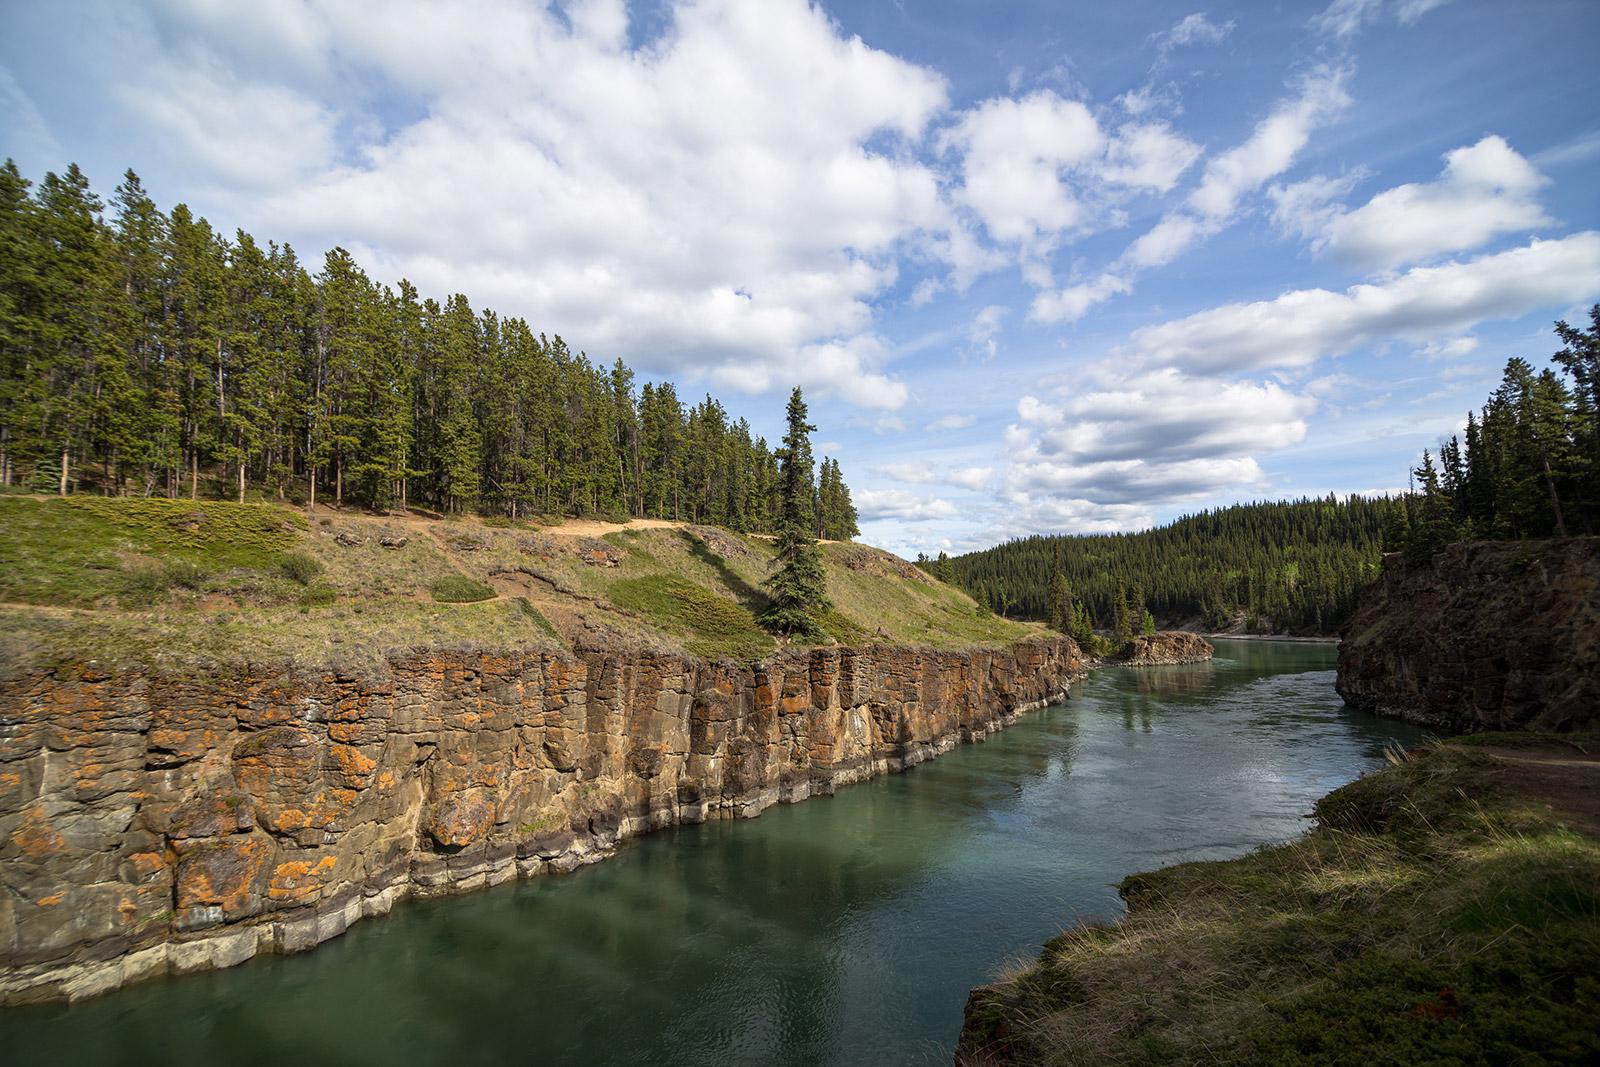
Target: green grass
{"type": "Point", "coordinates": [1437, 915]}
{"type": "Point", "coordinates": [459, 589]}
{"type": "Point", "coordinates": [81, 550]}
{"type": "Point", "coordinates": [153, 580]}
{"type": "Point", "coordinates": [711, 626]}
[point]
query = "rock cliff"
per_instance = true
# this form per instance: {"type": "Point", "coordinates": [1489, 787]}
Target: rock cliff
{"type": "Point", "coordinates": [1486, 635]}
{"type": "Point", "coordinates": [152, 824]}
{"type": "Point", "coordinates": [1168, 646]}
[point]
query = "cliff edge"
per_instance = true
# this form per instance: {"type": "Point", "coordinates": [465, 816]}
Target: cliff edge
{"type": "Point", "coordinates": [1487, 635]}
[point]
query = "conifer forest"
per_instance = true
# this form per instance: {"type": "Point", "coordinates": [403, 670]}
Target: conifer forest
{"type": "Point", "coordinates": [144, 353]}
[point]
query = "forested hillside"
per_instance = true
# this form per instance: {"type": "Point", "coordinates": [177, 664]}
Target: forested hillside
{"type": "Point", "coordinates": [144, 353]}
{"type": "Point", "coordinates": [1530, 462]}
{"type": "Point", "coordinates": [1288, 566]}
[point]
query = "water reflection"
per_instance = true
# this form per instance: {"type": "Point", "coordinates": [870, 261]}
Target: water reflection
{"type": "Point", "coordinates": [842, 930]}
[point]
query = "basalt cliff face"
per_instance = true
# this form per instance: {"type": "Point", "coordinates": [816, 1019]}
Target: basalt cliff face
{"type": "Point", "coordinates": [1487, 635]}
{"type": "Point", "coordinates": [153, 825]}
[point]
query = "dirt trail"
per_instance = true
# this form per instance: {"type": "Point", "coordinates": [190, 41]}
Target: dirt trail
{"type": "Point", "coordinates": [1564, 777]}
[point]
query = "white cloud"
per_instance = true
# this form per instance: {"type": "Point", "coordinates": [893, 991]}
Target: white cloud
{"type": "Point", "coordinates": [1454, 348]}
{"type": "Point", "coordinates": [1014, 153]}
{"type": "Point", "coordinates": [875, 505]}
{"type": "Point", "coordinates": [1270, 149]}
{"type": "Point", "coordinates": [926, 474]}
{"type": "Point", "coordinates": [1192, 29]}
{"type": "Point", "coordinates": [1150, 439]}
{"type": "Point", "coordinates": [244, 135]}
{"type": "Point", "coordinates": [950, 422]}
{"type": "Point", "coordinates": [1148, 156]}
{"type": "Point", "coordinates": [984, 328]}
{"type": "Point", "coordinates": [1344, 18]}
{"type": "Point", "coordinates": [1073, 302]}
{"type": "Point", "coordinates": [731, 199]}
{"type": "Point", "coordinates": [1303, 326]}
{"type": "Point", "coordinates": [1409, 11]}
{"type": "Point", "coordinates": [1485, 190]}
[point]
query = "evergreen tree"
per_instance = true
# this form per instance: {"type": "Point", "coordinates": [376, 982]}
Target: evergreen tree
{"type": "Point", "coordinates": [147, 345]}
{"type": "Point", "coordinates": [798, 588]}
{"type": "Point", "coordinates": [1059, 605]}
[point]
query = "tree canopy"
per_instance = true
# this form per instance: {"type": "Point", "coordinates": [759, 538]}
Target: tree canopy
{"type": "Point", "coordinates": [144, 352]}
{"type": "Point", "coordinates": [1527, 464]}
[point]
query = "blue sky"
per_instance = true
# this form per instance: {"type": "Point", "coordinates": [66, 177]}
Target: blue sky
{"type": "Point", "coordinates": [1040, 266]}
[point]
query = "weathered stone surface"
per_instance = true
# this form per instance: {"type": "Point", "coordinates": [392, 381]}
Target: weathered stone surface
{"type": "Point", "coordinates": [1168, 646]}
{"type": "Point", "coordinates": [151, 824]}
{"type": "Point", "coordinates": [1488, 635]}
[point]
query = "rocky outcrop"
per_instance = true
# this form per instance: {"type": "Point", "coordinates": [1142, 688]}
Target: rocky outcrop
{"type": "Point", "coordinates": [1168, 646]}
{"type": "Point", "coordinates": [153, 824]}
{"type": "Point", "coordinates": [1487, 635]}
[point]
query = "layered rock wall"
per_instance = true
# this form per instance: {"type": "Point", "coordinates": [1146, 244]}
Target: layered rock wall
{"type": "Point", "coordinates": [151, 824]}
{"type": "Point", "coordinates": [1165, 647]}
{"type": "Point", "coordinates": [1488, 635]}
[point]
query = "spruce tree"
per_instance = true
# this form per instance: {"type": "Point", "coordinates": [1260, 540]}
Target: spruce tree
{"type": "Point", "coordinates": [799, 587]}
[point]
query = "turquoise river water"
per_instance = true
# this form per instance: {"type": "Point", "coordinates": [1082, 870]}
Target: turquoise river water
{"type": "Point", "coordinates": [844, 930]}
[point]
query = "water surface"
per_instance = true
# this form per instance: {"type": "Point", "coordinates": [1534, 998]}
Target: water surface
{"type": "Point", "coordinates": [844, 930]}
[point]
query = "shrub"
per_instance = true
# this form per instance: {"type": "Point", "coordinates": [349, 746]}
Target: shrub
{"type": "Point", "coordinates": [459, 589]}
{"type": "Point", "coordinates": [299, 567]}
{"type": "Point", "coordinates": [318, 594]}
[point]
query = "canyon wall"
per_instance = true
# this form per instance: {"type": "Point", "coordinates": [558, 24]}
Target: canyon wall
{"type": "Point", "coordinates": [1487, 635]}
{"type": "Point", "coordinates": [154, 824]}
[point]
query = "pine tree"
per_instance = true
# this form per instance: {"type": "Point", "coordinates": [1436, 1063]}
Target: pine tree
{"type": "Point", "coordinates": [799, 587]}
{"type": "Point", "coordinates": [1059, 605]}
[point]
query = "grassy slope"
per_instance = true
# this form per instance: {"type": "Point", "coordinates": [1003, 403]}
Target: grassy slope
{"type": "Point", "coordinates": [179, 582]}
{"type": "Point", "coordinates": [1446, 910]}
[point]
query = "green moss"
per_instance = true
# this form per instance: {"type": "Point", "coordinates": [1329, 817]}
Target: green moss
{"type": "Point", "coordinates": [78, 550]}
{"type": "Point", "coordinates": [458, 589]}
{"type": "Point", "coordinates": [712, 626]}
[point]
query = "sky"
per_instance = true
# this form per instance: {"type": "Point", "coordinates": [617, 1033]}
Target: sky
{"type": "Point", "coordinates": [1039, 266]}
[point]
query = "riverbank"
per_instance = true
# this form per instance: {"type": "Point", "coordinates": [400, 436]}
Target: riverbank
{"type": "Point", "coordinates": [843, 930]}
{"type": "Point", "coordinates": [1445, 909]}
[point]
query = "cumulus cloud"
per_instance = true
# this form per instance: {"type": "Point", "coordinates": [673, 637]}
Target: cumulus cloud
{"type": "Point", "coordinates": [1485, 190]}
{"type": "Point", "coordinates": [1148, 156]}
{"type": "Point", "coordinates": [877, 504]}
{"type": "Point", "coordinates": [926, 474]}
{"type": "Point", "coordinates": [730, 198]}
{"type": "Point", "coordinates": [1302, 326]}
{"type": "Point", "coordinates": [1142, 441]}
{"type": "Point", "coordinates": [1013, 155]}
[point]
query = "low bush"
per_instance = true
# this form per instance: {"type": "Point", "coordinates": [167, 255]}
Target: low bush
{"type": "Point", "coordinates": [458, 589]}
{"type": "Point", "coordinates": [299, 567]}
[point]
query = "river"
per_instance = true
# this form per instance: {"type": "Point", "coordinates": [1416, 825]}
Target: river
{"type": "Point", "coordinates": [844, 930]}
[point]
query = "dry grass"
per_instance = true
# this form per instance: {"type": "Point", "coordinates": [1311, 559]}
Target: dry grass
{"type": "Point", "coordinates": [1436, 916]}
{"type": "Point", "coordinates": [209, 583]}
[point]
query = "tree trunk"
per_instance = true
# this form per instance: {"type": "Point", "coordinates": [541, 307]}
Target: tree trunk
{"type": "Point", "coordinates": [1555, 501]}
{"type": "Point", "coordinates": [194, 474]}
{"type": "Point", "coordinates": [63, 488]}
{"type": "Point", "coordinates": [338, 483]}
{"type": "Point", "coordinates": [313, 505]}
{"type": "Point", "coordinates": [241, 481]}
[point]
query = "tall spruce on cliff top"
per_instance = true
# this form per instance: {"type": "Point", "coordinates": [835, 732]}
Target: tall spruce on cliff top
{"type": "Point", "coordinates": [799, 586]}
{"type": "Point", "coordinates": [149, 354]}
{"type": "Point", "coordinates": [1530, 462]}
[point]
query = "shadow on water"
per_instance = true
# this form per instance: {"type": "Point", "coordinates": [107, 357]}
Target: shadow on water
{"type": "Point", "coordinates": [842, 930]}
